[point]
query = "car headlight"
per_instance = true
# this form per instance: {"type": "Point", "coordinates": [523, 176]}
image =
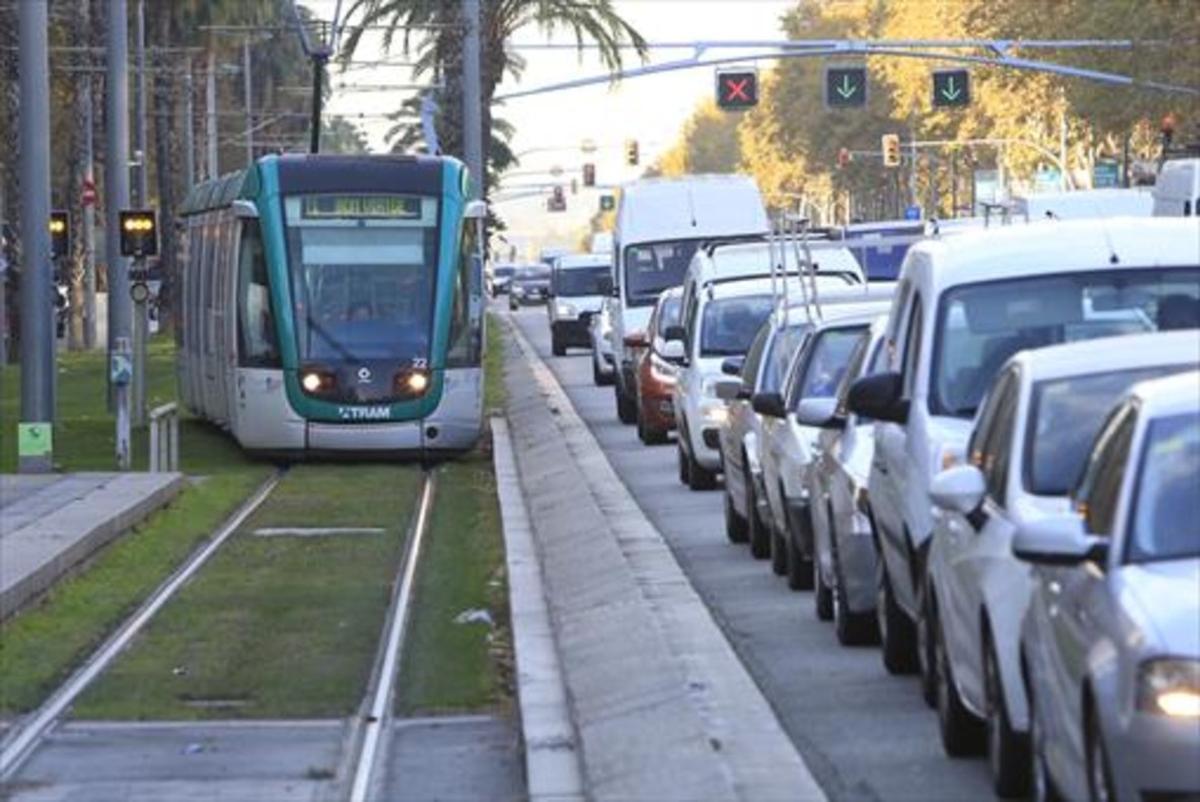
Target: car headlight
{"type": "Point", "coordinates": [716, 414]}
{"type": "Point", "coordinates": [518, 290]}
{"type": "Point", "coordinates": [1170, 687]}
{"type": "Point", "coordinates": [564, 310]}
{"type": "Point", "coordinates": [661, 370]}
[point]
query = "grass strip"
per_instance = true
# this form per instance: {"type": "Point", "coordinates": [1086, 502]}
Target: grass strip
{"type": "Point", "coordinates": [274, 627]}
{"type": "Point", "coordinates": [452, 664]}
{"type": "Point", "coordinates": [495, 394]}
{"type": "Point", "coordinates": [40, 646]}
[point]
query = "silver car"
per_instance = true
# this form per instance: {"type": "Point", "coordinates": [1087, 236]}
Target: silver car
{"type": "Point", "coordinates": [1110, 644]}
{"type": "Point", "coordinates": [843, 538]}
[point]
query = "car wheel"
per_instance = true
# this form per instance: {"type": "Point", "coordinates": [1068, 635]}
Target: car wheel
{"type": "Point", "coordinates": [760, 543]}
{"type": "Point", "coordinates": [736, 527]}
{"type": "Point", "coordinates": [779, 556]}
{"type": "Point", "coordinates": [701, 478]}
{"type": "Point", "coordinates": [684, 478]}
{"type": "Point", "coordinates": [927, 624]}
{"type": "Point", "coordinates": [895, 630]}
{"type": "Point", "coordinates": [557, 347]}
{"type": "Point", "coordinates": [626, 406]}
{"type": "Point", "coordinates": [1100, 784]}
{"type": "Point", "coordinates": [799, 568]}
{"type": "Point", "coordinates": [961, 732]}
{"type": "Point", "coordinates": [823, 595]}
{"type": "Point", "coordinates": [598, 377]}
{"type": "Point", "coordinates": [1041, 784]}
{"type": "Point", "coordinates": [852, 629]}
{"type": "Point", "coordinates": [1008, 750]}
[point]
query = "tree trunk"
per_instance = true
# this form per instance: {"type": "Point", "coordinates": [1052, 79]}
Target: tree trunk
{"type": "Point", "coordinates": [81, 31]}
{"type": "Point", "coordinates": [166, 150]}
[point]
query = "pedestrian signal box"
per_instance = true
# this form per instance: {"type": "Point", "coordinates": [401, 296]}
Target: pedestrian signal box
{"type": "Point", "coordinates": [139, 232]}
{"type": "Point", "coordinates": [891, 150]}
{"type": "Point", "coordinates": [737, 89]}
{"type": "Point", "coordinates": [631, 152]}
{"type": "Point", "coordinates": [951, 88]}
{"type": "Point", "coordinates": [607, 203]}
{"type": "Point", "coordinates": [60, 235]}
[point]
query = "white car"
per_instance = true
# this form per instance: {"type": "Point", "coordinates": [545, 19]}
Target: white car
{"type": "Point", "coordinates": [723, 323]}
{"type": "Point", "coordinates": [963, 306]}
{"type": "Point", "coordinates": [1029, 443]}
{"type": "Point", "coordinates": [603, 361]}
{"type": "Point", "coordinates": [843, 539]}
{"type": "Point", "coordinates": [660, 224]}
{"type": "Point", "coordinates": [577, 284]}
{"type": "Point", "coordinates": [786, 448]}
{"type": "Point", "coordinates": [1110, 644]}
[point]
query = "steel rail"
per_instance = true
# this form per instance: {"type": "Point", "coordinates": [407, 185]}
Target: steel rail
{"type": "Point", "coordinates": [377, 713]}
{"type": "Point", "coordinates": [25, 736]}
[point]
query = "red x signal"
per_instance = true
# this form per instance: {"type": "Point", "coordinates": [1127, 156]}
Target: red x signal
{"type": "Point", "coordinates": [737, 89]}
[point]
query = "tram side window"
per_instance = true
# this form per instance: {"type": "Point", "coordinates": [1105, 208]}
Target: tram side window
{"type": "Point", "coordinates": [466, 332]}
{"type": "Point", "coordinates": [258, 345]}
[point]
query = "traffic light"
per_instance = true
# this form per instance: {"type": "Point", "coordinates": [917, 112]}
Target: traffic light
{"type": "Point", "coordinates": [631, 152]}
{"type": "Point", "coordinates": [558, 200]}
{"type": "Point", "coordinates": [589, 175]}
{"type": "Point", "coordinates": [951, 88]}
{"type": "Point", "coordinates": [845, 87]}
{"type": "Point", "coordinates": [574, 187]}
{"type": "Point", "coordinates": [891, 150]}
{"type": "Point", "coordinates": [607, 203]}
{"type": "Point", "coordinates": [139, 232]}
{"type": "Point", "coordinates": [843, 157]}
{"type": "Point", "coordinates": [737, 89]}
{"type": "Point", "coordinates": [60, 233]}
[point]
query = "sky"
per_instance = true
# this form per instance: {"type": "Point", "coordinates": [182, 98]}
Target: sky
{"type": "Point", "coordinates": [551, 127]}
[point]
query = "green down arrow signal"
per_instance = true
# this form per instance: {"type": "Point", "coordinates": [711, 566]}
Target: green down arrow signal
{"type": "Point", "coordinates": [949, 91]}
{"type": "Point", "coordinates": [847, 89]}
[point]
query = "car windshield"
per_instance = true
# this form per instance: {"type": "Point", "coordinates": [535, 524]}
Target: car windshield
{"type": "Point", "coordinates": [981, 325]}
{"type": "Point", "coordinates": [831, 352]}
{"type": "Point", "coordinates": [362, 270]}
{"type": "Point", "coordinates": [1165, 523]}
{"type": "Point", "coordinates": [1065, 416]}
{"type": "Point", "coordinates": [669, 314]}
{"type": "Point", "coordinates": [652, 268]}
{"type": "Point", "coordinates": [575, 281]}
{"type": "Point", "coordinates": [729, 325]}
{"type": "Point", "coordinates": [504, 271]}
{"type": "Point", "coordinates": [526, 274]}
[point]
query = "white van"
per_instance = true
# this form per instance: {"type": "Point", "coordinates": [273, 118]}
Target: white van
{"type": "Point", "coordinates": [660, 224]}
{"type": "Point", "coordinates": [963, 306]}
{"type": "Point", "coordinates": [1177, 190]}
{"type": "Point", "coordinates": [1084, 203]}
{"type": "Point", "coordinates": [577, 284]}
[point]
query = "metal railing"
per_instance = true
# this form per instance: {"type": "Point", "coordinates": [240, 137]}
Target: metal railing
{"type": "Point", "coordinates": [164, 438]}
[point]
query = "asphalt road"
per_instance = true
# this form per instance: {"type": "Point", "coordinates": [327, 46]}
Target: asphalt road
{"type": "Point", "coordinates": [864, 734]}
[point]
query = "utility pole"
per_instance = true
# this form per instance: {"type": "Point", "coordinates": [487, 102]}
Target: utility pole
{"type": "Point", "coordinates": [141, 325]}
{"type": "Point", "coordinates": [249, 100]}
{"type": "Point", "coordinates": [189, 128]}
{"type": "Point", "coordinates": [89, 221]}
{"type": "Point", "coordinates": [120, 307]}
{"type": "Point", "coordinates": [472, 103]}
{"type": "Point", "coordinates": [35, 432]}
{"type": "Point", "coordinates": [210, 108]}
{"type": "Point", "coordinates": [319, 58]}
{"type": "Point", "coordinates": [4, 267]}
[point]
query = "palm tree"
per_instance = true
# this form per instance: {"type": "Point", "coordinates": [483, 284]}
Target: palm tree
{"type": "Point", "coordinates": [440, 27]}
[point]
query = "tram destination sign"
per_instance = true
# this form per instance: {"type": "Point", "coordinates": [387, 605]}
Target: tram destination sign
{"type": "Point", "coordinates": [377, 207]}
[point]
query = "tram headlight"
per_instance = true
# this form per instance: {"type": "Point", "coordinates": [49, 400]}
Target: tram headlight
{"type": "Point", "coordinates": [413, 383]}
{"type": "Point", "coordinates": [316, 381]}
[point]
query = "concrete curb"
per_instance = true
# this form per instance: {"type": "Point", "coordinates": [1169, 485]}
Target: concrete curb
{"type": "Point", "coordinates": [83, 526]}
{"type": "Point", "coordinates": [551, 762]}
{"type": "Point", "coordinates": [702, 722]}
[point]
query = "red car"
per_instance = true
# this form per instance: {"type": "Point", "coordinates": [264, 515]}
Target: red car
{"type": "Point", "coordinates": [654, 370]}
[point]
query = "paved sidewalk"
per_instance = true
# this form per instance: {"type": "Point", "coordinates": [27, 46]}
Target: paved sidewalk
{"type": "Point", "coordinates": [49, 524]}
{"type": "Point", "coordinates": [662, 705]}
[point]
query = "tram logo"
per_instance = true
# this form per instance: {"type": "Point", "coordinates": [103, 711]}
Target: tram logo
{"type": "Point", "coordinates": [365, 413]}
{"type": "Point", "coordinates": [364, 375]}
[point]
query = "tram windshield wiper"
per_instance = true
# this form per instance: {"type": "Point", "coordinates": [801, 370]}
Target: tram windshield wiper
{"type": "Point", "coordinates": [329, 338]}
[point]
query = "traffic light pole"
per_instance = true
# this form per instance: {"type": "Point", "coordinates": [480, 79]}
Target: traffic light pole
{"type": "Point", "coordinates": [35, 433]}
{"type": "Point", "coordinates": [120, 312]}
{"type": "Point", "coordinates": [141, 326]}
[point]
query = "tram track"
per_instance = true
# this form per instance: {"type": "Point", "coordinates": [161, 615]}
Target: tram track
{"type": "Point", "coordinates": [369, 734]}
{"type": "Point", "coordinates": [23, 739]}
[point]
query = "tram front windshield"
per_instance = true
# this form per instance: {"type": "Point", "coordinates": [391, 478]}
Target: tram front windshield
{"type": "Point", "coordinates": [363, 271]}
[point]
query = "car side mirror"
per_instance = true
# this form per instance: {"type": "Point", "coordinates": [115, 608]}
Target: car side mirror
{"type": "Point", "coordinates": [769, 404]}
{"type": "Point", "coordinates": [732, 365]}
{"type": "Point", "coordinates": [727, 390]}
{"type": "Point", "coordinates": [636, 339]}
{"type": "Point", "coordinates": [675, 333]}
{"type": "Point", "coordinates": [1060, 540]}
{"type": "Point", "coordinates": [820, 413]}
{"type": "Point", "coordinates": [878, 396]}
{"type": "Point", "coordinates": [606, 286]}
{"type": "Point", "coordinates": [672, 351]}
{"type": "Point", "coordinates": [959, 489]}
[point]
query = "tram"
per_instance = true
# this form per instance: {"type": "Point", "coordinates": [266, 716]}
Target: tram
{"type": "Point", "coordinates": [333, 305]}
